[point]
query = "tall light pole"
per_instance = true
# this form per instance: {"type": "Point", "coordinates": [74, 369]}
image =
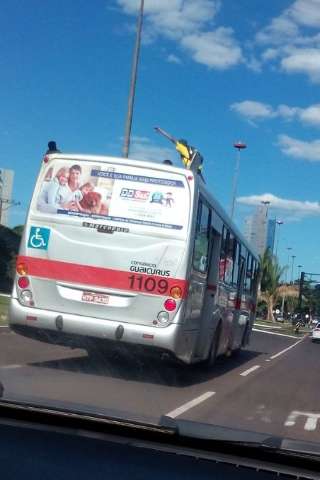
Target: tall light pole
{"type": "Point", "coordinates": [293, 257]}
{"type": "Point", "coordinates": [239, 146]}
{"type": "Point", "coordinates": [278, 222]}
{"type": "Point", "coordinates": [266, 203]}
{"type": "Point", "coordinates": [288, 263]}
{"type": "Point", "coordinates": [299, 270]}
{"type": "Point", "coordinates": [126, 143]}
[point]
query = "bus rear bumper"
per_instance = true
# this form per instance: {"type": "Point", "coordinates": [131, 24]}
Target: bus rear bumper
{"type": "Point", "coordinates": [76, 331]}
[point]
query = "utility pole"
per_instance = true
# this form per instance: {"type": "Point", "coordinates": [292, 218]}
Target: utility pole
{"type": "Point", "coordinates": [239, 146]}
{"type": "Point", "coordinates": [300, 291]}
{"type": "Point", "coordinates": [126, 143]}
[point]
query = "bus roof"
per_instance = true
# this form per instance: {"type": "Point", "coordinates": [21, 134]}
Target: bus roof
{"type": "Point", "coordinates": [163, 167]}
{"type": "Point", "coordinates": [121, 161]}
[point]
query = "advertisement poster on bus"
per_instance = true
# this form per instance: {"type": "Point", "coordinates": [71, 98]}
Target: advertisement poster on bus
{"type": "Point", "coordinates": [120, 194]}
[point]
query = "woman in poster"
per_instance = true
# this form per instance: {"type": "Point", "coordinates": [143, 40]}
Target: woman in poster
{"type": "Point", "coordinates": [53, 193]}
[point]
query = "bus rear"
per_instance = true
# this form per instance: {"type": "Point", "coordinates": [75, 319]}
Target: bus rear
{"type": "Point", "coordinates": [103, 255]}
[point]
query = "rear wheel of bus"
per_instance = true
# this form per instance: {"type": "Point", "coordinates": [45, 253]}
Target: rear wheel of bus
{"type": "Point", "coordinates": [213, 353]}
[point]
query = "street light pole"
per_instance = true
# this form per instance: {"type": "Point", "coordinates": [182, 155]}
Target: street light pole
{"type": "Point", "coordinates": [299, 270]}
{"type": "Point", "coordinates": [278, 222]}
{"type": "Point", "coordinates": [293, 257]}
{"type": "Point", "coordinates": [288, 263]}
{"type": "Point", "coordinates": [239, 146]}
{"type": "Point", "coordinates": [126, 143]}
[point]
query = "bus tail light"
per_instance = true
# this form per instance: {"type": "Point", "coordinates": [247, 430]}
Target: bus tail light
{"type": "Point", "coordinates": [170, 305]}
{"type": "Point", "coordinates": [22, 268]}
{"type": "Point", "coordinates": [26, 298]}
{"type": "Point", "coordinates": [23, 282]}
{"type": "Point", "coordinates": [176, 292]}
{"type": "Point", "coordinates": [163, 318]}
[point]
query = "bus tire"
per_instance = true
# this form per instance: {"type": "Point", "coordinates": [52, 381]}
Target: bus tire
{"type": "Point", "coordinates": [237, 351]}
{"type": "Point", "coordinates": [213, 353]}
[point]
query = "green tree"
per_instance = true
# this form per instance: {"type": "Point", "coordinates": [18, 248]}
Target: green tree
{"type": "Point", "coordinates": [271, 290]}
{"type": "Point", "coordinates": [18, 229]}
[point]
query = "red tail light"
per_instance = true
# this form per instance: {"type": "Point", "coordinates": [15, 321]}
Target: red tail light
{"type": "Point", "coordinates": [170, 305]}
{"type": "Point", "coordinates": [23, 282]}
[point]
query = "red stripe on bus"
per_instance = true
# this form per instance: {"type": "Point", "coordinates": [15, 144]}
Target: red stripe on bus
{"type": "Point", "coordinates": [211, 287]}
{"type": "Point", "coordinates": [101, 277]}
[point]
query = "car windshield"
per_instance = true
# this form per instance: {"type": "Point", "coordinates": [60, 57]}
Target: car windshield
{"type": "Point", "coordinates": [159, 225]}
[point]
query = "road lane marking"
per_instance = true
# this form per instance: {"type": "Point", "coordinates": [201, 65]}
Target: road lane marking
{"type": "Point", "coordinates": [252, 369]}
{"type": "Point", "coordinates": [10, 366]}
{"type": "Point", "coordinates": [273, 333]}
{"type": "Point", "coordinates": [286, 349]}
{"type": "Point", "coordinates": [311, 422]}
{"type": "Point", "coordinates": [187, 406]}
{"type": "Point", "coordinates": [268, 326]}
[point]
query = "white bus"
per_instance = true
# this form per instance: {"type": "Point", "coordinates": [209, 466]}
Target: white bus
{"type": "Point", "coordinates": [119, 251]}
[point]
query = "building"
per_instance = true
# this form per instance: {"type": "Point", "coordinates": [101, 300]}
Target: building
{"type": "Point", "coordinates": [255, 230]}
{"type": "Point", "coordinates": [271, 231]}
{"type": "Point", "coordinates": [6, 183]}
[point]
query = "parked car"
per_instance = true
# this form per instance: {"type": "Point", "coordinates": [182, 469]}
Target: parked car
{"type": "Point", "coordinates": [316, 333]}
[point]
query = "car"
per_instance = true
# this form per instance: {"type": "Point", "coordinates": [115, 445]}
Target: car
{"type": "Point", "coordinates": [314, 321]}
{"type": "Point", "coordinates": [316, 333]}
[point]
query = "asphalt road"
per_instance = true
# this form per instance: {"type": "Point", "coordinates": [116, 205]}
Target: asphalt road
{"type": "Point", "coordinates": [269, 387]}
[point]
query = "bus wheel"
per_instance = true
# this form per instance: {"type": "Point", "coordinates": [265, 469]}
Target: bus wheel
{"type": "Point", "coordinates": [237, 351]}
{"type": "Point", "coordinates": [211, 360]}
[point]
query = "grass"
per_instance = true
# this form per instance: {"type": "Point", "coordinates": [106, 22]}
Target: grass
{"type": "Point", "coordinates": [4, 304]}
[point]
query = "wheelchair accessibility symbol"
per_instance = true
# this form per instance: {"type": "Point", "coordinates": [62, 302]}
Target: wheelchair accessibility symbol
{"type": "Point", "coordinates": [39, 238]}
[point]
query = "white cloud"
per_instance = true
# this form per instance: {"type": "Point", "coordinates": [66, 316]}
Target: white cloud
{"type": "Point", "coordinates": [304, 60]}
{"type": "Point", "coordinates": [176, 19]}
{"type": "Point", "coordinates": [288, 113]}
{"type": "Point", "coordinates": [293, 208]}
{"type": "Point", "coordinates": [173, 59]}
{"type": "Point", "coordinates": [311, 115]}
{"type": "Point", "coordinates": [216, 49]}
{"type": "Point", "coordinates": [142, 148]}
{"type": "Point", "coordinates": [288, 38]}
{"type": "Point", "coordinates": [306, 12]}
{"type": "Point", "coordinates": [253, 110]}
{"type": "Point", "coordinates": [299, 148]}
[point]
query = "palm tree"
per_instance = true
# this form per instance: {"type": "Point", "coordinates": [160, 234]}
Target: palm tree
{"type": "Point", "coordinates": [270, 288]}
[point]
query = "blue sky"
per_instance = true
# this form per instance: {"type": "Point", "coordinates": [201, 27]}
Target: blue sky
{"type": "Point", "coordinates": [211, 71]}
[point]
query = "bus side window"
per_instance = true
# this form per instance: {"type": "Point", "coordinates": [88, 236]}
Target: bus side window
{"type": "Point", "coordinates": [223, 251]}
{"type": "Point", "coordinates": [236, 264]}
{"type": "Point", "coordinates": [201, 246]}
{"type": "Point", "coordinates": [242, 268]}
{"type": "Point", "coordinates": [230, 260]}
{"type": "Point", "coordinates": [248, 281]}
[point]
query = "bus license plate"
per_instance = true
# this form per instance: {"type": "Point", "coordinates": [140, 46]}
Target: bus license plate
{"type": "Point", "coordinates": [95, 298]}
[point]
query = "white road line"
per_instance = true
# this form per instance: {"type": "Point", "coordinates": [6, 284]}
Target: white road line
{"type": "Point", "coordinates": [286, 349]}
{"type": "Point", "coordinates": [311, 421]}
{"type": "Point", "coordinates": [252, 369]}
{"type": "Point", "coordinates": [187, 406]}
{"type": "Point", "coordinates": [268, 326]}
{"type": "Point", "coordinates": [273, 333]}
{"type": "Point", "coordinates": [10, 366]}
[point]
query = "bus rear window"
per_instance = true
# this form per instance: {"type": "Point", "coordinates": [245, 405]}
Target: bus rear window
{"type": "Point", "coordinates": [117, 193]}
